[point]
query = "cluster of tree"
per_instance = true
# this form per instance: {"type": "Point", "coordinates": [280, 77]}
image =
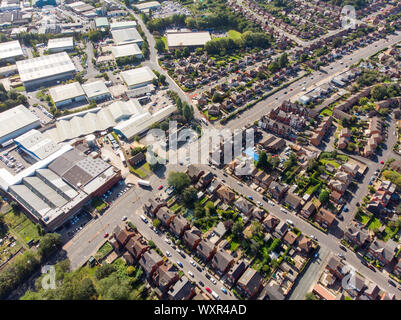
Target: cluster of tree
{"type": "Point", "coordinates": [160, 45]}
{"type": "Point", "coordinates": [247, 40]}
{"type": "Point", "coordinates": [24, 265]}
{"type": "Point", "coordinates": [109, 282]}
{"type": "Point", "coordinates": [10, 99]}
{"type": "Point", "coordinates": [381, 92]}
{"type": "Point", "coordinates": [122, 61]}
{"type": "Point", "coordinates": [358, 4]}
{"type": "Point", "coordinates": [178, 180]}
{"type": "Point", "coordinates": [160, 80]}
{"type": "Point", "coordinates": [136, 150]}
{"type": "Point", "coordinates": [267, 162]}
{"type": "Point", "coordinates": [162, 23]}
{"type": "Point", "coordinates": [186, 111]}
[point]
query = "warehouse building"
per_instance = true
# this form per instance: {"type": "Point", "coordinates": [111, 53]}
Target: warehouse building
{"type": "Point", "coordinates": [96, 90]}
{"type": "Point", "coordinates": [67, 94]}
{"type": "Point", "coordinates": [93, 120]}
{"type": "Point", "coordinates": [179, 40]}
{"type": "Point", "coordinates": [80, 7]}
{"type": "Point", "coordinates": [60, 183]}
{"type": "Point", "coordinates": [146, 6]}
{"type": "Point", "coordinates": [118, 25]}
{"type": "Point", "coordinates": [102, 23]}
{"type": "Point", "coordinates": [15, 122]}
{"type": "Point", "coordinates": [41, 71]}
{"type": "Point", "coordinates": [60, 44]}
{"type": "Point", "coordinates": [140, 123]}
{"type": "Point", "coordinates": [10, 51]}
{"type": "Point", "coordinates": [139, 77]}
{"type": "Point", "coordinates": [127, 50]}
{"type": "Point", "coordinates": [126, 36]}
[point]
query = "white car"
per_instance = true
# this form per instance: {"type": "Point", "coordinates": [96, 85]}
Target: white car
{"type": "Point", "coordinates": [290, 222]}
{"type": "Point", "coordinates": [178, 250]}
{"type": "Point", "coordinates": [168, 254]}
{"type": "Point", "coordinates": [167, 240]}
{"type": "Point", "coordinates": [213, 281]}
{"type": "Point", "coordinates": [191, 274]}
{"type": "Point", "coordinates": [283, 210]}
{"type": "Point", "coordinates": [259, 203]}
{"type": "Point", "coordinates": [313, 237]}
{"type": "Point", "coordinates": [124, 218]}
{"type": "Point", "coordinates": [192, 262]}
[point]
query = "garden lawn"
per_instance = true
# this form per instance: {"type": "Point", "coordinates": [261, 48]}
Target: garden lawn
{"type": "Point", "coordinates": [363, 218]}
{"type": "Point", "coordinates": [332, 162]}
{"type": "Point", "coordinates": [326, 112]}
{"type": "Point", "coordinates": [104, 250]}
{"type": "Point", "coordinates": [21, 224]}
{"type": "Point", "coordinates": [233, 34]}
{"type": "Point", "coordinates": [389, 233]}
{"type": "Point", "coordinates": [374, 224]}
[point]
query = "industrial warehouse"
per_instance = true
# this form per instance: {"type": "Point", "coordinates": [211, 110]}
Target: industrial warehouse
{"type": "Point", "coordinates": [127, 118]}
{"type": "Point", "coordinates": [10, 51]}
{"type": "Point", "coordinates": [59, 181]}
{"type": "Point", "coordinates": [179, 40]}
{"type": "Point", "coordinates": [37, 72]}
{"type": "Point", "coordinates": [139, 77]}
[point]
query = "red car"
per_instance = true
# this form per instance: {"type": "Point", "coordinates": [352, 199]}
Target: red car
{"type": "Point", "coordinates": [208, 290]}
{"type": "Point", "coordinates": [382, 162]}
{"type": "Point", "coordinates": [160, 187]}
{"type": "Point", "coordinates": [106, 235]}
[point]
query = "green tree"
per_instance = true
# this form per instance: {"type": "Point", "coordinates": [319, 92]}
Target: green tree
{"type": "Point", "coordinates": [237, 229]}
{"type": "Point", "coordinates": [310, 296]}
{"type": "Point", "coordinates": [156, 223]}
{"type": "Point", "coordinates": [178, 180]}
{"type": "Point", "coordinates": [189, 196]}
{"type": "Point", "coordinates": [283, 60]}
{"type": "Point", "coordinates": [49, 244]}
{"type": "Point", "coordinates": [378, 92]}
{"type": "Point", "coordinates": [160, 46]}
{"type": "Point", "coordinates": [324, 197]}
{"type": "Point", "coordinates": [104, 271]}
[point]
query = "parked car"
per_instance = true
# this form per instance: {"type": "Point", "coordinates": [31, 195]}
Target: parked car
{"type": "Point", "coordinates": [224, 290]}
{"type": "Point", "coordinates": [191, 274]}
{"type": "Point", "coordinates": [168, 254]}
{"type": "Point", "coordinates": [180, 264]}
{"type": "Point", "coordinates": [208, 289]}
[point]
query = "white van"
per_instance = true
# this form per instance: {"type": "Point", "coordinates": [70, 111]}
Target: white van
{"type": "Point", "coordinates": [144, 218]}
{"type": "Point", "coordinates": [215, 295]}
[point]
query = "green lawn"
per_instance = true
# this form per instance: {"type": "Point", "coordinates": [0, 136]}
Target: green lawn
{"type": "Point", "coordinates": [233, 34]}
{"type": "Point", "coordinates": [389, 233]}
{"type": "Point", "coordinates": [332, 162]}
{"type": "Point", "coordinates": [21, 224]}
{"type": "Point", "coordinates": [143, 171]}
{"type": "Point", "coordinates": [374, 224]}
{"type": "Point", "coordinates": [234, 245]}
{"type": "Point", "coordinates": [363, 218]}
{"type": "Point", "coordinates": [326, 112]}
{"type": "Point", "coordinates": [104, 250]}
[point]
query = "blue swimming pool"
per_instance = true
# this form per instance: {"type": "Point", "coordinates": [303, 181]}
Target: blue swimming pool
{"type": "Point", "coordinates": [249, 152]}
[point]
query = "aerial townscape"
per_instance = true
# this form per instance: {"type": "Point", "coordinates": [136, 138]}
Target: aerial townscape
{"type": "Point", "coordinates": [106, 105]}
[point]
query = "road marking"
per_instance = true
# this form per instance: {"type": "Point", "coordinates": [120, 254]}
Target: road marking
{"type": "Point", "coordinates": [97, 233]}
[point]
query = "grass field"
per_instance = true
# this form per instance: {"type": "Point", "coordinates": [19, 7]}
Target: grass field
{"type": "Point", "coordinates": [233, 34]}
{"type": "Point", "coordinates": [363, 218]}
{"type": "Point", "coordinates": [143, 171]}
{"type": "Point", "coordinates": [20, 224]}
{"type": "Point", "coordinates": [374, 224]}
{"type": "Point", "coordinates": [332, 162]}
{"type": "Point", "coordinates": [104, 250]}
{"type": "Point", "coordinates": [326, 112]}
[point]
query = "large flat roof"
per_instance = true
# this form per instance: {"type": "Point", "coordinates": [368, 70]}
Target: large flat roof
{"type": "Point", "coordinates": [123, 25]}
{"type": "Point", "coordinates": [10, 49]}
{"type": "Point", "coordinates": [60, 43]}
{"type": "Point", "coordinates": [187, 39]}
{"type": "Point", "coordinates": [95, 88]}
{"type": "Point", "coordinates": [16, 118]}
{"type": "Point", "coordinates": [138, 76]}
{"type": "Point", "coordinates": [126, 50]}
{"type": "Point", "coordinates": [45, 66]}
{"type": "Point", "coordinates": [38, 144]}
{"type": "Point", "coordinates": [126, 36]}
{"type": "Point", "coordinates": [66, 91]}
{"type": "Point", "coordinates": [147, 5]}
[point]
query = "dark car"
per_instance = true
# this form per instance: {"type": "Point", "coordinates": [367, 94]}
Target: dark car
{"type": "Point", "coordinates": [199, 268]}
{"type": "Point", "coordinates": [343, 248]}
{"type": "Point", "coordinates": [391, 282]}
{"type": "Point", "coordinates": [341, 218]}
{"type": "Point", "coordinates": [208, 276]}
{"type": "Point", "coordinates": [358, 204]}
{"type": "Point", "coordinates": [201, 284]}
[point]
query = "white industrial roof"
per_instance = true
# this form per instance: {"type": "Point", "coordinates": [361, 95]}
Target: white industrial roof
{"type": "Point", "coordinates": [123, 25]}
{"type": "Point", "coordinates": [45, 66]}
{"type": "Point", "coordinates": [138, 76]}
{"type": "Point", "coordinates": [140, 123]}
{"type": "Point", "coordinates": [126, 36]}
{"type": "Point", "coordinates": [38, 144]}
{"type": "Point", "coordinates": [60, 43]}
{"type": "Point", "coordinates": [93, 120]}
{"type": "Point", "coordinates": [147, 5]}
{"type": "Point", "coordinates": [10, 49]}
{"type": "Point", "coordinates": [66, 91]}
{"type": "Point", "coordinates": [16, 118]}
{"type": "Point", "coordinates": [180, 39]}
{"type": "Point", "coordinates": [126, 50]}
{"type": "Point", "coordinates": [95, 88]}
